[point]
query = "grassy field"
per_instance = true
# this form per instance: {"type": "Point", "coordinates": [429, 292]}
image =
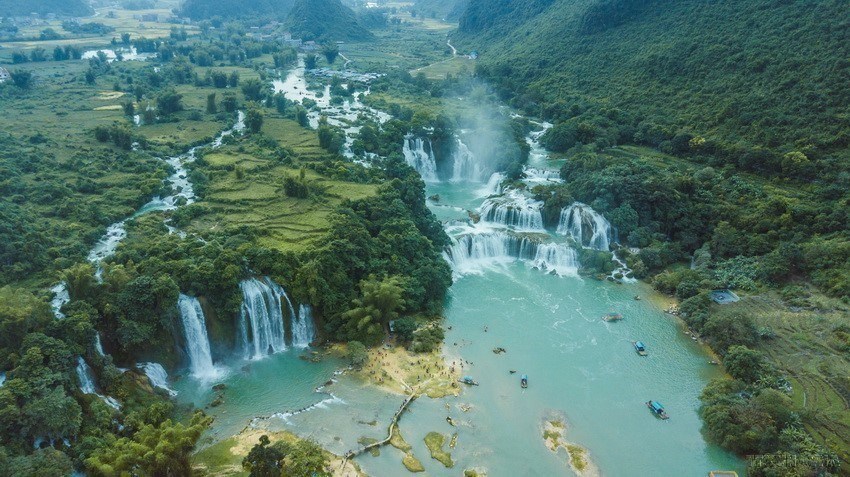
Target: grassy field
{"type": "Point", "coordinates": [455, 66]}
{"type": "Point", "coordinates": [807, 349]}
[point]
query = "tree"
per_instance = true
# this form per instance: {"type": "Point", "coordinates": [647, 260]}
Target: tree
{"type": "Point", "coordinates": [331, 51]}
{"type": "Point", "coordinates": [357, 354]}
{"type": "Point", "coordinates": [745, 364]}
{"type": "Point", "coordinates": [381, 300]}
{"type": "Point", "coordinates": [229, 103]}
{"type": "Point", "coordinates": [252, 89]}
{"type": "Point", "coordinates": [404, 328]}
{"type": "Point", "coordinates": [233, 80]}
{"type": "Point", "coordinates": [162, 449]}
{"type": "Point", "coordinates": [254, 120]}
{"type": "Point", "coordinates": [726, 329]}
{"type": "Point", "coordinates": [21, 78]}
{"type": "Point", "coordinates": [304, 459]}
{"type": "Point", "coordinates": [125, 38]}
{"type": "Point", "coordinates": [310, 61]}
{"type": "Point", "coordinates": [263, 460]}
{"type": "Point", "coordinates": [211, 107]}
{"type": "Point", "coordinates": [169, 102]}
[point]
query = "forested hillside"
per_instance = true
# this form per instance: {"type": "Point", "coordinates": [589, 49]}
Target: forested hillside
{"type": "Point", "coordinates": [200, 9]}
{"type": "Point", "coordinates": [325, 20]}
{"type": "Point", "coordinates": [741, 74]}
{"type": "Point", "coordinates": [449, 10]}
{"type": "Point", "coordinates": [72, 8]}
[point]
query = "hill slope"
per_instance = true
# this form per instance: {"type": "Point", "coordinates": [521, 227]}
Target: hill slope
{"type": "Point", "coordinates": [325, 20]}
{"type": "Point", "coordinates": [73, 8]}
{"type": "Point", "coordinates": [200, 9]}
{"type": "Point", "coordinates": [750, 72]}
{"type": "Point", "coordinates": [449, 10]}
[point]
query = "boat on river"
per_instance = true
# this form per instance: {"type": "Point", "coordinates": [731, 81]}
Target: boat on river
{"type": "Point", "coordinates": [612, 317]}
{"type": "Point", "coordinates": [640, 348]}
{"type": "Point", "coordinates": [468, 380]}
{"type": "Point", "coordinates": [658, 409]}
{"type": "Point", "coordinates": [523, 381]}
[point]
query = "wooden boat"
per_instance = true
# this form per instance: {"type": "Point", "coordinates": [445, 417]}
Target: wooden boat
{"type": "Point", "coordinates": [612, 317]}
{"type": "Point", "coordinates": [468, 380]}
{"type": "Point", "coordinates": [640, 348]}
{"type": "Point", "coordinates": [658, 409]}
{"type": "Point", "coordinates": [523, 381]}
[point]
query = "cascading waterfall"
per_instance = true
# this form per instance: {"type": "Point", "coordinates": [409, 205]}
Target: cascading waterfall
{"type": "Point", "coordinates": [465, 165]}
{"type": "Point", "coordinates": [261, 326]}
{"type": "Point", "coordinates": [586, 226]}
{"type": "Point", "coordinates": [157, 376]}
{"type": "Point", "coordinates": [421, 158]}
{"type": "Point", "coordinates": [262, 329]}
{"type": "Point", "coordinates": [197, 342]}
{"type": "Point", "coordinates": [556, 258]}
{"type": "Point", "coordinates": [2, 379]}
{"type": "Point", "coordinates": [303, 329]}
{"type": "Point", "coordinates": [86, 378]}
{"type": "Point", "coordinates": [494, 185]}
{"type": "Point", "coordinates": [97, 345]}
{"type": "Point", "coordinates": [474, 252]}
{"type": "Point", "coordinates": [513, 210]}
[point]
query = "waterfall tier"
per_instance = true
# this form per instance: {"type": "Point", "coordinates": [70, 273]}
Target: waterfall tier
{"type": "Point", "coordinates": [586, 226]}
{"type": "Point", "coordinates": [493, 186]}
{"type": "Point", "coordinates": [265, 309]}
{"type": "Point", "coordinates": [513, 210]}
{"type": "Point", "coordinates": [197, 341]}
{"type": "Point", "coordinates": [86, 378]}
{"type": "Point", "coordinates": [303, 329]}
{"type": "Point", "coordinates": [472, 253]}
{"type": "Point", "coordinates": [419, 154]}
{"type": "Point", "coordinates": [466, 166]}
{"type": "Point", "coordinates": [157, 376]}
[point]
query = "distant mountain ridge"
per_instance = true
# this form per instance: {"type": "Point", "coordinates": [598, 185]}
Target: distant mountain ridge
{"type": "Point", "coordinates": [70, 8]}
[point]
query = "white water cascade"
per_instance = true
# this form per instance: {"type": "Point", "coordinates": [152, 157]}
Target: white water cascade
{"type": "Point", "coordinates": [419, 154]}
{"type": "Point", "coordinates": [303, 329]}
{"type": "Point", "coordinates": [2, 379]}
{"type": "Point", "coordinates": [86, 378]}
{"type": "Point", "coordinates": [261, 320]}
{"type": "Point", "coordinates": [466, 167]}
{"type": "Point", "coordinates": [493, 186]}
{"type": "Point", "coordinates": [197, 341]}
{"type": "Point", "coordinates": [586, 226]}
{"type": "Point", "coordinates": [157, 376]}
{"type": "Point", "coordinates": [98, 346]}
{"type": "Point", "coordinates": [515, 210]}
{"type": "Point", "coordinates": [472, 253]}
{"type": "Point", "coordinates": [263, 317]}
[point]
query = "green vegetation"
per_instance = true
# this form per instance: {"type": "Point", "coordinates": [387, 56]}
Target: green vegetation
{"type": "Point", "coordinates": [435, 442]}
{"type": "Point", "coordinates": [300, 459]}
{"type": "Point", "coordinates": [71, 8]}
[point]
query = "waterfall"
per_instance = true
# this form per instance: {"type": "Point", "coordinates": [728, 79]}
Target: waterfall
{"type": "Point", "coordinates": [2, 379]}
{"type": "Point", "coordinates": [474, 252]}
{"type": "Point", "coordinates": [535, 176]}
{"type": "Point", "coordinates": [157, 376]}
{"type": "Point", "coordinates": [465, 165]}
{"type": "Point", "coordinates": [493, 186]}
{"type": "Point", "coordinates": [86, 378]}
{"type": "Point", "coordinates": [197, 342]}
{"type": "Point", "coordinates": [97, 345]}
{"type": "Point", "coordinates": [586, 226]}
{"type": "Point", "coordinates": [557, 258]}
{"type": "Point", "coordinates": [303, 329]}
{"type": "Point", "coordinates": [417, 157]}
{"type": "Point", "coordinates": [513, 210]}
{"type": "Point", "coordinates": [262, 317]}
{"type": "Point", "coordinates": [60, 298]}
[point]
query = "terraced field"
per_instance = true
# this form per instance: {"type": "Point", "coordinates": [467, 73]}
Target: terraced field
{"type": "Point", "coordinates": [807, 350]}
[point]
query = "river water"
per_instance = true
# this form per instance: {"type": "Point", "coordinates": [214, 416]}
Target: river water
{"type": "Point", "coordinates": [581, 369]}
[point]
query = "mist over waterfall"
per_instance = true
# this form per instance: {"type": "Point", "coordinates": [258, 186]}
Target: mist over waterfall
{"type": "Point", "coordinates": [419, 154]}
{"type": "Point", "coordinates": [263, 319]}
{"type": "Point", "coordinates": [197, 341]}
{"type": "Point", "coordinates": [473, 253]}
{"type": "Point", "coordinates": [514, 210]}
{"type": "Point", "coordinates": [303, 329]}
{"type": "Point", "coordinates": [586, 226]}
